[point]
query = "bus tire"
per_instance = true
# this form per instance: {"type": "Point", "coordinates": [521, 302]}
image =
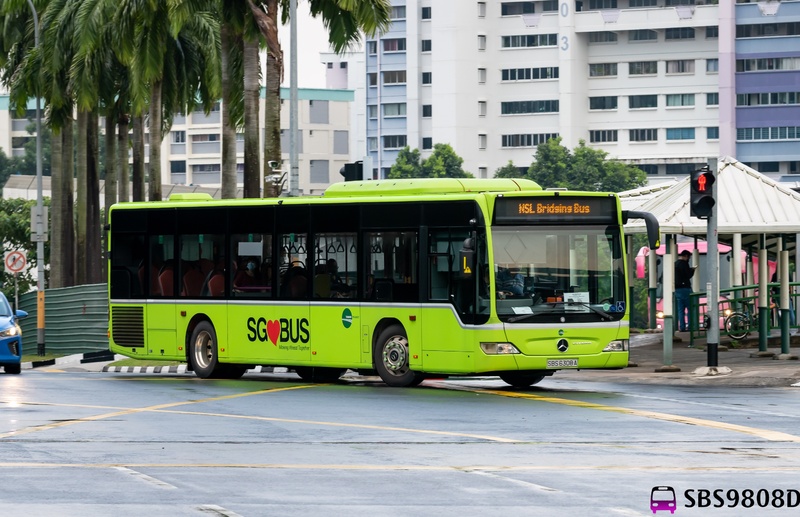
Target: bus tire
{"type": "Point", "coordinates": [521, 379]}
{"type": "Point", "coordinates": [203, 352]}
{"type": "Point", "coordinates": [316, 374]}
{"type": "Point", "coordinates": [391, 358]}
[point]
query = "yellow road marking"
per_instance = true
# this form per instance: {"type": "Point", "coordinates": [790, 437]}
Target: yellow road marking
{"type": "Point", "coordinates": [775, 436]}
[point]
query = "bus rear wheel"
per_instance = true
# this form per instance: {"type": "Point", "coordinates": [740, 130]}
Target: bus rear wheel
{"type": "Point", "coordinates": [203, 352]}
{"type": "Point", "coordinates": [521, 379]}
{"type": "Point", "coordinates": [391, 358]}
{"type": "Point", "coordinates": [316, 374]}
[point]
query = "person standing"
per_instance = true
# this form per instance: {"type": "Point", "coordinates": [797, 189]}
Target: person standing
{"type": "Point", "coordinates": [683, 287]}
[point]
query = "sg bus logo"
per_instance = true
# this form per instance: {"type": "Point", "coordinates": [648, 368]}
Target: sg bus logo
{"type": "Point", "coordinates": [282, 330]}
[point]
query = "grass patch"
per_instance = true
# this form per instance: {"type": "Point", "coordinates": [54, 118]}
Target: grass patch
{"type": "Point", "coordinates": [143, 362]}
{"type": "Point", "coordinates": [30, 358]}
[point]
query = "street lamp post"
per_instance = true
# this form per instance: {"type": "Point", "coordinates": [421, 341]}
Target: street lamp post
{"type": "Point", "coordinates": [39, 216]}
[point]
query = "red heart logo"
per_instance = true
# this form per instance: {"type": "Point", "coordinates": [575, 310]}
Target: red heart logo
{"type": "Point", "coordinates": [273, 331]}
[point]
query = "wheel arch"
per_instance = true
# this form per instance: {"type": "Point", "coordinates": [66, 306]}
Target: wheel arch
{"type": "Point", "coordinates": [196, 320]}
{"type": "Point", "coordinates": [382, 325]}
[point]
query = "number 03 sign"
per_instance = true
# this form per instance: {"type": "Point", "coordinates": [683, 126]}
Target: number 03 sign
{"type": "Point", "coordinates": [15, 261]}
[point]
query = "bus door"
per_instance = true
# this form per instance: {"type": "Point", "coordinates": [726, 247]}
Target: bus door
{"type": "Point", "coordinates": [335, 311]}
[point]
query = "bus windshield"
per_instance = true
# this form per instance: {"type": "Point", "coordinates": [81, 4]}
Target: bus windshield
{"type": "Point", "coordinates": [558, 273]}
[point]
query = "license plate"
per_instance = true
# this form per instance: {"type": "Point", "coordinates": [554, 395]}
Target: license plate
{"type": "Point", "coordinates": [562, 363]}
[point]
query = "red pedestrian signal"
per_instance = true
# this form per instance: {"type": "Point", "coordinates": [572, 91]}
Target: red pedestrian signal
{"type": "Point", "coordinates": [702, 195]}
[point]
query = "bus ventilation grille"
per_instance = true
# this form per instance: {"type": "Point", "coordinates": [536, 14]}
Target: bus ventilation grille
{"type": "Point", "coordinates": [127, 328]}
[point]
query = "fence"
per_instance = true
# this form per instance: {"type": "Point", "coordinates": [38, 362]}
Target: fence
{"type": "Point", "coordinates": [76, 319]}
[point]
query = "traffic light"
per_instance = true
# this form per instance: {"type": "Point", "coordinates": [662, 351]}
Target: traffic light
{"type": "Point", "coordinates": [702, 197]}
{"type": "Point", "coordinates": [353, 171]}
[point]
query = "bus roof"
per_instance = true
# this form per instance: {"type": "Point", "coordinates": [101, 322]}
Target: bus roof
{"type": "Point", "coordinates": [417, 186]}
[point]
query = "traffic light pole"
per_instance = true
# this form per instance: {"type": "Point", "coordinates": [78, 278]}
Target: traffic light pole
{"type": "Point", "coordinates": [712, 274]}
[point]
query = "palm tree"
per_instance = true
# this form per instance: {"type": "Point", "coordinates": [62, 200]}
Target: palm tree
{"type": "Point", "coordinates": [344, 20]}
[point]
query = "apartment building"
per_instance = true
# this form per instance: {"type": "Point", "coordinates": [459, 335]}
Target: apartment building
{"type": "Point", "coordinates": [664, 84]}
{"type": "Point", "coordinates": [191, 151]}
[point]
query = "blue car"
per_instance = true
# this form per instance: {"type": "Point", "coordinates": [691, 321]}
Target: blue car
{"type": "Point", "coordinates": [10, 337]}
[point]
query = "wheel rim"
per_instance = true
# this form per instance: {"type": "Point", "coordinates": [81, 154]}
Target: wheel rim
{"type": "Point", "coordinates": [395, 355]}
{"type": "Point", "coordinates": [203, 350]}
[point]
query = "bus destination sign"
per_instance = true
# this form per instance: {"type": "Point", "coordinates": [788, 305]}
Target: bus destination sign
{"type": "Point", "coordinates": [556, 209]}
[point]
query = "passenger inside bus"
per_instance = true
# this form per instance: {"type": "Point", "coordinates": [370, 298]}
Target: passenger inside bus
{"type": "Point", "coordinates": [248, 277]}
{"type": "Point", "coordinates": [510, 283]}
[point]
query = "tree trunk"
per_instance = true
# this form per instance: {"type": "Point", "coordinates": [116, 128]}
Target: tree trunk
{"type": "Point", "coordinates": [138, 158]}
{"type": "Point", "coordinates": [122, 159]}
{"type": "Point", "coordinates": [228, 178]}
{"type": "Point", "coordinates": [272, 109]}
{"type": "Point", "coordinates": [57, 202]}
{"type": "Point", "coordinates": [111, 165]}
{"type": "Point", "coordinates": [155, 142]}
{"type": "Point", "coordinates": [252, 90]}
{"type": "Point", "coordinates": [94, 263]}
{"type": "Point", "coordinates": [81, 207]}
{"type": "Point", "coordinates": [67, 215]}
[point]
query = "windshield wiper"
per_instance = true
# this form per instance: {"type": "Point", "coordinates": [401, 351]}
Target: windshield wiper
{"type": "Point", "coordinates": [600, 312]}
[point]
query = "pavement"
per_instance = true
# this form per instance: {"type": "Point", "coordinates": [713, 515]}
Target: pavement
{"type": "Point", "coordinates": [739, 364]}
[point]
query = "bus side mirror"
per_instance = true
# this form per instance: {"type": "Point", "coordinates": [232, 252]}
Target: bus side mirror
{"type": "Point", "coordinates": [653, 232]}
{"type": "Point", "coordinates": [466, 259]}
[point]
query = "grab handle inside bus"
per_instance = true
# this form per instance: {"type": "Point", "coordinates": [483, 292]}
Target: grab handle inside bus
{"type": "Point", "coordinates": [653, 232]}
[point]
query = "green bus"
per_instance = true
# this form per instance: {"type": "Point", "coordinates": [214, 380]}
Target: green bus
{"type": "Point", "coordinates": [407, 278]}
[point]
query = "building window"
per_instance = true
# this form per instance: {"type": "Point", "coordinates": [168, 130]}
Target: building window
{"type": "Point", "coordinates": [481, 141]}
{"type": "Point", "coordinates": [602, 4]}
{"type": "Point", "coordinates": [372, 48]}
{"type": "Point", "coordinates": [549, 6]}
{"type": "Point", "coordinates": [712, 99]}
{"type": "Point", "coordinates": [712, 133]}
{"type": "Point", "coordinates": [642, 35]}
{"type": "Point", "coordinates": [179, 137]}
{"type": "Point", "coordinates": [603, 70]}
{"type": "Point", "coordinates": [319, 171]}
{"type": "Point", "coordinates": [766, 99]}
{"type": "Point", "coordinates": [643, 135]}
{"type": "Point", "coordinates": [372, 79]}
{"type": "Point", "coordinates": [394, 77]}
{"type": "Point", "coordinates": [679, 33]}
{"type": "Point", "coordinates": [643, 68]}
{"type": "Point", "coordinates": [343, 65]}
{"type": "Point", "coordinates": [765, 30]}
{"type": "Point", "coordinates": [372, 143]}
{"type": "Point", "coordinates": [372, 111]}
{"type": "Point", "coordinates": [481, 108]}
{"type": "Point", "coordinates": [712, 66]}
{"type": "Point", "coordinates": [524, 107]}
{"type": "Point", "coordinates": [394, 141]}
{"type": "Point", "coordinates": [602, 37]}
{"type": "Point", "coordinates": [642, 101]}
{"type": "Point", "coordinates": [481, 9]}
{"type": "Point", "coordinates": [211, 137]}
{"type": "Point", "coordinates": [643, 3]}
{"type": "Point", "coordinates": [427, 77]}
{"type": "Point", "coordinates": [482, 172]}
{"type": "Point", "coordinates": [712, 32]}
{"type": "Point", "coordinates": [768, 133]}
{"type": "Point", "coordinates": [681, 66]}
{"type": "Point", "coordinates": [530, 40]}
{"type": "Point", "coordinates": [395, 109]}
{"type": "Point", "coordinates": [330, 66]}
{"type": "Point", "coordinates": [426, 45]}
{"type": "Point", "coordinates": [427, 142]}
{"type": "Point", "coordinates": [527, 140]}
{"type": "Point", "coordinates": [604, 135]}
{"type": "Point", "coordinates": [426, 13]}
{"type": "Point", "coordinates": [776, 63]}
{"type": "Point", "coordinates": [680, 99]}
{"type": "Point", "coordinates": [481, 75]}
{"type": "Point", "coordinates": [603, 103]}
{"type": "Point", "coordinates": [398, 12]}
{"type": "Point", "coordinates": [427, 110]}
{"type": "Point", "coordinates": [394, 45]}
{"type": "Point", "coordinates": [516, 8]}
{"type": "Point", "coordinates": [680, 133]}
{"type": "Point", "coordinates": [481, 42]}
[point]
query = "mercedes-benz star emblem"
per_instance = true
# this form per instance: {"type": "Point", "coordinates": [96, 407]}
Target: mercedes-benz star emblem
{"type": "Point", "coordinates": [562, 345]}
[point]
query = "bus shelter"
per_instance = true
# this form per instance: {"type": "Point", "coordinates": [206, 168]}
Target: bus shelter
{"type": "Point", "coordinates": [757, 217]}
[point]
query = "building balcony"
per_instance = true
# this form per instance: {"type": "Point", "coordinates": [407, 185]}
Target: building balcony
{"type": "Point", "coordinates": [773, 12]}
{"type": "Point", "coordinates": [650, 18]}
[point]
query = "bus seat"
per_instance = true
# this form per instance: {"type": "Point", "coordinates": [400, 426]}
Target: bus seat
{"type": "Point", "coordinates": [155, 289]}
{"type": "Point", "coordinates": [205, 266]}
{"type": "Point", "coordinates": [298, 286]}
{"type": "Point", "coordinates": [383, 291]}
{"type": "Point", "coordinates": [322, 286]}
{"type": "Point", "coordinates": [216, 284]}
{"type": "Point", "coordinates": [165, 282]}
{"type": "Point", "coordinates": [192, 282]}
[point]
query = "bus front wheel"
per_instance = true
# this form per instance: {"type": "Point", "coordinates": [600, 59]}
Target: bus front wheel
{"type": "Point", "coordinates": [521, 379]}
{"type": "Point", "coordinates": [391, 358]}
{"type": "Point", "coordinates": [203, 351]}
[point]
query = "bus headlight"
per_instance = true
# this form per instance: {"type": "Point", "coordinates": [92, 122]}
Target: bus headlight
{"type": "Point", "coordinates": [620, 345]}
{"type": "Point", "coordinates": [727, 312]}
{"type": "Point", "coordinates": [660, 315]}
{"type": "Point", "coordinates": [499, 348]}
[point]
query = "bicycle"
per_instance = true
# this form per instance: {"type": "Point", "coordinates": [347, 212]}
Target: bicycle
{"type": "Point", "coordinates": [739, 323]}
